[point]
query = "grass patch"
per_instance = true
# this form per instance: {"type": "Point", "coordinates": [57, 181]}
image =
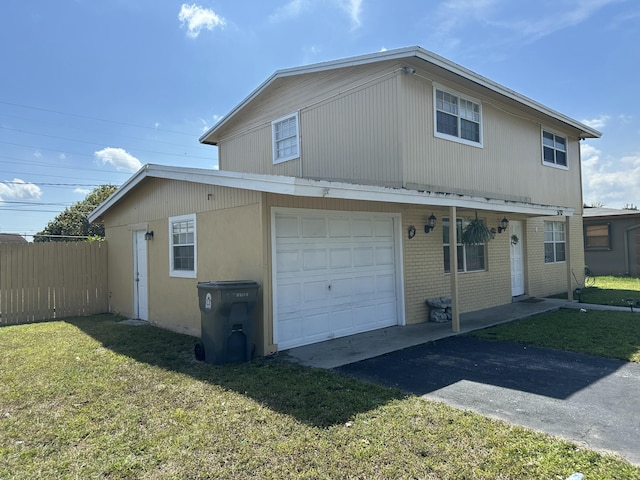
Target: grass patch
{"type": "Point", "coordinates": [605, 333]}
{"type": "Point", "coordinates": [610, 291]}
{"type": "Point", "coordinates": [90, 398]}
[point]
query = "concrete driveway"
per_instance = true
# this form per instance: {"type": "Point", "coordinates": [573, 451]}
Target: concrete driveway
{"type": "Point", "coordinates": [592, 401]}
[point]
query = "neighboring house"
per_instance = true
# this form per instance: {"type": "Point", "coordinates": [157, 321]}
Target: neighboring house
{"type": "Point", "coordinates": [12, 238]}
{"type": "Point", "coordinates": [612, 241]}
{"type": "Point", "coordinates": [331, 179]}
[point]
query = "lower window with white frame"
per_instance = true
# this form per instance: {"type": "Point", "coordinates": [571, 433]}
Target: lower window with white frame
{"type": "Point", "coordinates": [182, 246]}
{"type": "Point", "coordinates": [554, 242]}
{"type": "Point", "coordinates": [471, 258]}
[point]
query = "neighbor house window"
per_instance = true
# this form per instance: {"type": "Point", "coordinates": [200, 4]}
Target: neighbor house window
{"type": "Point", "coordinates": [457, 118]}
{"type": "Point", "coordinates": [471, 258]}
{"type": "Point", "coordinates": [554, 242]}
{"type": "Point", "coordinates": [554, 149]}
{"type": "Point", "coordinates": [286, 138]}
{"type": "Point", "coordinates": [182, 246]}
{"type": "Point", "coordinates": [597, 237]}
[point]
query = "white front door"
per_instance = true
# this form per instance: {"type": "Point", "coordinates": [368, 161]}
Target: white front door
{"type": "Point", "coordinates": [140, 278]}
{"type": "Point", "coordinates": [517, 258]}
{"type": "Point", "coordinates": [335, 274]}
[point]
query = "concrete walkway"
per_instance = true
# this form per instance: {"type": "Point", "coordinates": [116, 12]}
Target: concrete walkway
{"type": "Point", "coordinates": [354, 348]}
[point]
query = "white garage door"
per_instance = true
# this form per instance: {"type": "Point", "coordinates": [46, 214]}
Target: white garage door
{"type": "Point", "coordinates": [334, 275]}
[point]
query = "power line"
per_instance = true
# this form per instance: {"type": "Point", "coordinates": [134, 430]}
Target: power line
{"type": "Point", "coordinates": [116, 122]}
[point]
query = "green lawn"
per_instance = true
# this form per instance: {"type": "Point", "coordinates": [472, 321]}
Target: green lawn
{"type": "Point", "coordinates": [92, 398]}
{"type": "Point", "coordinates": [598, 332]}
{"type": "Point", "coordinates": [610, 291]}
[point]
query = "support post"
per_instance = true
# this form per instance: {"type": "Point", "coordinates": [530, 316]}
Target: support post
{"type": "Point", "coordinates": [453, 256]}
{"type": "Point", "coordinates": [567, 250]}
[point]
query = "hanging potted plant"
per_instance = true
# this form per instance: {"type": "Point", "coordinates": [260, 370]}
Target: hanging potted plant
{"type": "Point", "coordinates": [476, 232]}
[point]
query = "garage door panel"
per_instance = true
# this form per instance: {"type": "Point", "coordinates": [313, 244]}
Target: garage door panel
{"type": "Point", "coordinates": [287, 226]}
{"type": "Point", "coordinates": [336, 278]}
{"type": "Point", "coordinates": [314, 259]}
{"type": "Point", "coordinates": [314, 227]}
{"type": "Point", "coordinates": [340, 258]}
{"type": "Point", "coordinates": [315, 291]}
{"type": "Point", "coordinates": [339, 228]}
{"type": "Point", "coordinates": [288, 261]}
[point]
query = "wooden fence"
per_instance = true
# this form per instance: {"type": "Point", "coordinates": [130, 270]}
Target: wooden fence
{"type": "Point", "coordinates": [42, 281]}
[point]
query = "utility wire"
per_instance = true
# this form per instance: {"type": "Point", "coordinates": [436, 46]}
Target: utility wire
{"type": "Point", "coordinates": [93, 118]}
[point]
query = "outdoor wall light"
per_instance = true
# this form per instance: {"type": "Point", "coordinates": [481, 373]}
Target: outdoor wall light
{"type": "Point", "coordinates": [504, 224]}
{"type": "Point", "coordinates": [148, 235]}
{"type": "Point", "coordinates": [431, 225]}
{"type": "Point", "coordinates": [412, 232]}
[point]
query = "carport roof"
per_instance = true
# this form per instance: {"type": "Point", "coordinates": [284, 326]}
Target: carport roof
{"type": "Point", "coordinates": [323, 189]}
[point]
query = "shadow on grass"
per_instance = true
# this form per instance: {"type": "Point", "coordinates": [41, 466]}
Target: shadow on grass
{"type": "Point", "coordinates": [314, 397]}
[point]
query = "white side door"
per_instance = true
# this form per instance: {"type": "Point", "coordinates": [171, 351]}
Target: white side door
{"type": "Point", "coordinates": [140, 277]}
{"type": "Point", "coordinates": [517, 258]}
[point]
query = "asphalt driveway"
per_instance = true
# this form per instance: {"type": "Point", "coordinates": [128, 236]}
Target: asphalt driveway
{"type": "Point", "coordinates": [589, 400]}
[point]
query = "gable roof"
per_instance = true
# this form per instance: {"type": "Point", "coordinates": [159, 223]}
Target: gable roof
{"type": "Point", "coordinates": [321, 189]}
{"type": "Point", "coordinates": [404, 54]}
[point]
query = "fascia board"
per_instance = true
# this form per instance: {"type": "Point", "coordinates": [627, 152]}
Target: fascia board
{"type": "Point", "coordinates": [283, 185]}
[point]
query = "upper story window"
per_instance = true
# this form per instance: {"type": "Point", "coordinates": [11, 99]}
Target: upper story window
{"type": "Point", "coordinates": [597, 237]}
{"type": "Point", "coordinates": [286, 138]}
{"type": "Point", "coordinates": [471, 258]}
{"type": "Point", "coordinates": [457, 117]}
{"type": "Point", "coordinates": [554, 149]}
{"type": "Point", "coordinates": [182, 246]}
{"type": "Point", "coordinates": [554, 242]}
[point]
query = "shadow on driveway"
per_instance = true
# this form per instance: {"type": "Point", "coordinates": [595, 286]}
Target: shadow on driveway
{"type": "Point", "coordinates": [430, 367]}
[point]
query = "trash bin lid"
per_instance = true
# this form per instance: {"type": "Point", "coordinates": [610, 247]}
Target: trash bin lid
{"type": "Point", "coordinates": [228, 284]}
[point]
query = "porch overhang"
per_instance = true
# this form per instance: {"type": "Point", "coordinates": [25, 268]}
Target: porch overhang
{"type": "Point", "coordinates": [303, 187]}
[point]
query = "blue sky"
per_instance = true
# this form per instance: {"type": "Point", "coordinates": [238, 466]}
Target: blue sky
{"type": "Point", "coordinates": [90, 90]}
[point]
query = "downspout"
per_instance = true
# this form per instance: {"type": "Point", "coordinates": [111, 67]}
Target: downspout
{"type": "Point", "coordinates": [627, 260]}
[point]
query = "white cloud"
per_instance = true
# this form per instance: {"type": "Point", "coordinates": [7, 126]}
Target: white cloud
{"type": "Point", "coordinates": [598, 122]}
{"type": "Point", "coordinates": [506, 21]}
{"type": "Point", "coordinates": [197, 18]}
{"type": "Point", "coordinates": [610, 182]}
{"type": "Point", "coordinates": [295, 8]}
{"type": "Point", "coordinates": [119, 158]}
{"type": "Point", "coordinates": [291, 10]}
{"type": "Point", "coordinates": [19, 189]}
{"type": "Point", "coordinates": [37, 154]}
{"type": "Point", "coordinates": [354, 10]}
{"type": "Point", "coordinates": [83, 191]}
{"type": "Point", "coordinates": [62, 156]}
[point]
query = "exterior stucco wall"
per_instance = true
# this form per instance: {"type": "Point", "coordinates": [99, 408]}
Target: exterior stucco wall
{"type": "Point", "coordinates": [624, 234]}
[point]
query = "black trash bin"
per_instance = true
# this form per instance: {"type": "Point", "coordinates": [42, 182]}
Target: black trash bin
{"type": "Point", "coordinates": [226, 315]}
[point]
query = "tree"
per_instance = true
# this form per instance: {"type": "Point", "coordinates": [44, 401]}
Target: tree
{"type": "Point", "coordinates": [73, 221]}
{"type": "Point", "coordinates": [630, 206]}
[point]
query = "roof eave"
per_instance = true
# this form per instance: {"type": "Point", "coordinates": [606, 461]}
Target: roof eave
{"type": "Point", "coordinates": [403, 53]}
{"type": "Point", "coordinates": [325, 189]}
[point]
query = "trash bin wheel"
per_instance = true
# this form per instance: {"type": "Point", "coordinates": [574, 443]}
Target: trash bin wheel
{"type": "Point", "coordinates": [198, 350]}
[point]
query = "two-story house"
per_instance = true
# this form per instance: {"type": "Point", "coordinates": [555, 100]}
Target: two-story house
{"type": "Point", "coordinates": [338, 189]}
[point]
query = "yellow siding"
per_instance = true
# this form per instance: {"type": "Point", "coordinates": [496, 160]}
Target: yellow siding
{"type": "Point", "coordinates": [229, 241]}
{"type": "Point", "coordinates": [551, 278]}
{"type": "Point", "coordinates": [375, 125]}
{"type": "Point", "coordinates": [509, 166]}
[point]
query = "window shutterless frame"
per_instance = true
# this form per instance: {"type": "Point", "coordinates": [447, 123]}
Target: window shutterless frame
{"type": "Point", "coordinates": [554, 149]}
{"type": "Point", "coordinates": [285, 138]}
{"type": "Point", "coordinates": [183, 248]}
{"type": "Point", "coordinates": [555, 242]}
{"type": "Point", "coordinates": [597, 236]}
{"type": "Point", "coordinates": [456, 116]}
